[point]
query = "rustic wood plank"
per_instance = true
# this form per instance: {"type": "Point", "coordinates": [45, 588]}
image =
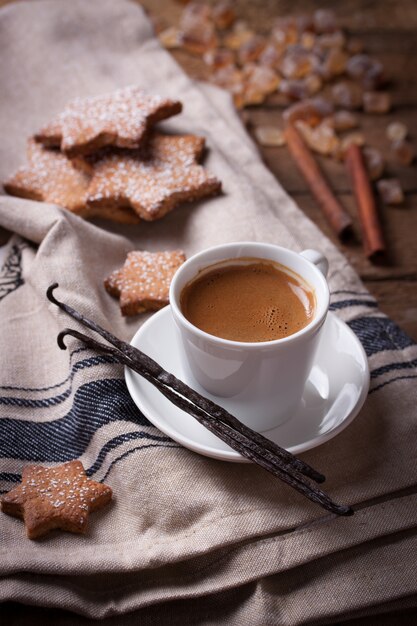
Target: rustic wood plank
{"type": "Point", "coordinates": [400, 226]}
{"type": "Point", "coordinates": [397, 300]}
{"type": "Point", "coordinates": [354, 14]}
{"type": "Point", "coordinates": [394, 285]}
{"type": "Point", "coordinates": [392, 41]}
{"type": "Point", "coordinates": [388, 30]}
{"type": "Point", "coordinates": [374, 131]}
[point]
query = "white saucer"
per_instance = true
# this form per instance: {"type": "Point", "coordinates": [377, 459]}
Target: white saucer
{"type": "Point", "coordinates": [335, 391]}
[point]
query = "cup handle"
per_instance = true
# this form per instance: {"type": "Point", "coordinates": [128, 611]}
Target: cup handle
{"type": "Point", "coordinates": [318, 259]}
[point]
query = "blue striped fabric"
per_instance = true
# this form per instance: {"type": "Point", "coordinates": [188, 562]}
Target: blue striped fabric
{"type": "Point", "coordinates": [379, 333]}
{"type": "Point", "coordinates": [104, 401]}
{"type": "Point", "coordinates": [94, 405]}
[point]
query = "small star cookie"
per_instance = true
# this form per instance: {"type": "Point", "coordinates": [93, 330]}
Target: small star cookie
{"type": "Point", "coordinates": [121, 119]}
{"type": "Point", "coordinates": [50, 177]}
{"type": "Point", "coordinates": [55, 497]}
{"type": "Point", "coordinates": [142, 284]}
{"type": "Point", "coordinates": [154, 180]}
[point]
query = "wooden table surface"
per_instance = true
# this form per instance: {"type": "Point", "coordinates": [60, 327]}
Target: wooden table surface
{"type": "Point", "coordinates": [389, 30]}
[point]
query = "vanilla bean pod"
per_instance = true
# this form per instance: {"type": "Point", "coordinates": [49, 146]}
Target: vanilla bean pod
{"type": "Point", "coordinates": [247, 447]}
{"type": "Point", "coordinates": [210, 422]}
{"type": "Point", "coordinates": [204, 403]}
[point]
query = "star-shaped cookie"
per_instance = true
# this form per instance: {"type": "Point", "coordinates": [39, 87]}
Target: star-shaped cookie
{"type": "Point", "coordinates": [152, 181]}
{"type": "Point", "coordinates": [51, 177]}
{"type": "Point", "coordinates": [142, 284]}
{"type": "Point", "coordinates": [119, 119]}
{"type": "Point", "coordinates": [56, 497]}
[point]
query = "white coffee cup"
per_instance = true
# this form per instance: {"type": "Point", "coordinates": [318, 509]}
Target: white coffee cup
{"type": "Point", "coordinates": [261, 383]}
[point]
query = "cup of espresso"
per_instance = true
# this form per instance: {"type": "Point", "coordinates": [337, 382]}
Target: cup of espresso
{"type": "Point", "coordinates": [249, 318]}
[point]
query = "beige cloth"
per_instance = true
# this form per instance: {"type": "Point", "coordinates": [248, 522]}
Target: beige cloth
{"type": "Point", "coordinates": [188, 539]}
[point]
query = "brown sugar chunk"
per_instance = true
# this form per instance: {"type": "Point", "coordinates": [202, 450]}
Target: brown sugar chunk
{"type": "Point", "coordinates": [50, 177]}
{"type": "Point", "coordinates": [56, 497]}
{"type": "Point", "coordinates": [120, 119]}
{"type": "Point", "coordinates": [142, 284]}
{"type": "Point", "coordinates": [154, 180]}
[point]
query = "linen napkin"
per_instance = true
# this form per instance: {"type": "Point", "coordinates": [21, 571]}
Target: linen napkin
{"type": "Point", "coordinates": [188, 539]}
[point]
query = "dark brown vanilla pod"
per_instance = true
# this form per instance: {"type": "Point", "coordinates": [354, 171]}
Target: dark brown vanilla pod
{"type": "Point", "coordinates": [167, 378]}
{"type": "Point", "coordinates": [185, 404]}
{"type": "Point", "coordinates": [247, 447]}
{"type": "Point", "coordinates": [247, 442]}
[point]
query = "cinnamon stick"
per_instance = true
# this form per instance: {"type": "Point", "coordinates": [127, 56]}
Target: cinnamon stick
{"type": "Point", "coordinates": [336, 215]}
{"type": "Point", "coordinates": [373, 238]}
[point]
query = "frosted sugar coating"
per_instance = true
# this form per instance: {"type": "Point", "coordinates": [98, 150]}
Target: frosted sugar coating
{"type": "Point", "coordinates": [51, 177]}
{"type": "Point", "coordinates": [144, 280]}
{"type": "Point", "coordinates": [120, 119]}
{"type": "Point", "coordinates": [154, 180]}
{"type": "Point", "coordinates": [55, 497]}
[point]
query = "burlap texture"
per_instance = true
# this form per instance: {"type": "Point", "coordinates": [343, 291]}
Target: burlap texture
{"type": "Point", "coordinates": [188, 539]}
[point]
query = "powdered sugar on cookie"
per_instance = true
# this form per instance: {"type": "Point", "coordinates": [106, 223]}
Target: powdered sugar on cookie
{"type": "Point", "coordinates": [143, 282]}
{"type": "Point", "coordinates": [55, 497]}
{"type": "Point", "coordinates": [51, 177]}
{"type": "Point", "coordinates": [98, 158]}
{"type": "Point", "coordinates": [121, 119]}
{"type": "Point", "coordinates": [155, 180]}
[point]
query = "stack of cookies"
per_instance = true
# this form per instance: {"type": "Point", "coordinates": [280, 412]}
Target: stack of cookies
{"type": "Point", "coordinates": [102, 157]}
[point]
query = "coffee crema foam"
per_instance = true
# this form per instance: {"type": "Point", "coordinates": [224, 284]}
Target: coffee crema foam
{"type": "Point", "coordinates": [251, 302]}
